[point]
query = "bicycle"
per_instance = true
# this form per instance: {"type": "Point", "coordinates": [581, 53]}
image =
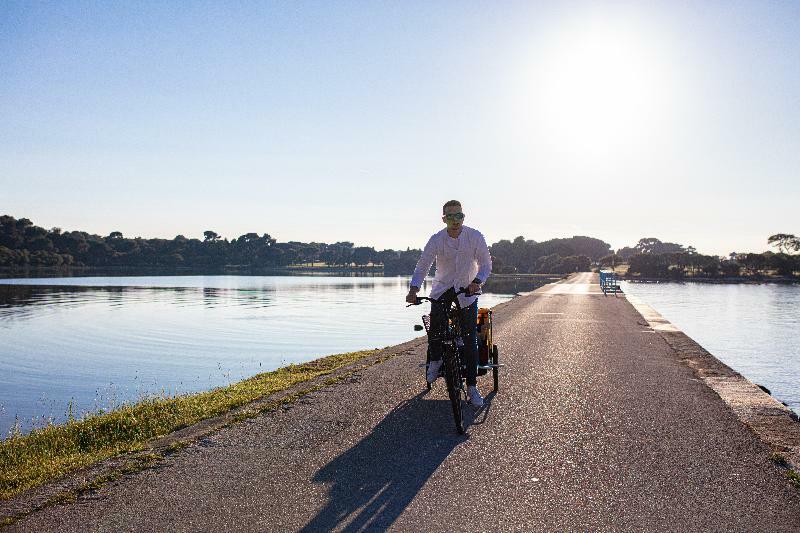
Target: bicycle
{"type": "Point", "coordinates": [451, 337]}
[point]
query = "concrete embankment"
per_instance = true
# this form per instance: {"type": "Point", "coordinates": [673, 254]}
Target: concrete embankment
{"type": "Point", "coordinates": [605, 419]}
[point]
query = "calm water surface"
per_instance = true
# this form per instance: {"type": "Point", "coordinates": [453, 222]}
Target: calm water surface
{"type": "Point", "coordinates": [98, 342]}
{"type": "Point", "coordinates": [751, 328]}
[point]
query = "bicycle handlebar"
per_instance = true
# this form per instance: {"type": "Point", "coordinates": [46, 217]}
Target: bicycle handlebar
{"type": "Point", "coordinates": [462, 290]}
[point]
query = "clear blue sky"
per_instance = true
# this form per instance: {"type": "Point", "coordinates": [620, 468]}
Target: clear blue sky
{"type": "Point", "coordinates": [355, 121]}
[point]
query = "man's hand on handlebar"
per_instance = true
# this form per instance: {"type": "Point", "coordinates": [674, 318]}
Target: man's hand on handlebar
{"type": "Point", "coordinates": [472, 290]}
{"type": "Point", "coordinates": [411, 297]}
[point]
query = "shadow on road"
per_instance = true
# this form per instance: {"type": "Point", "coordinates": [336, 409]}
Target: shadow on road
{"type": "Point", "coordinates": [475, 418]}
{"type": "Point", "coordinates": [374, 481]}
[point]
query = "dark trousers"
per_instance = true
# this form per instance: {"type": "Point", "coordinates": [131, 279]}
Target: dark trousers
{"type": "Point", "coordinates": [469, 320]}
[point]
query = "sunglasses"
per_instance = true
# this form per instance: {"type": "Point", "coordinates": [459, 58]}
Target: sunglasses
{"type": "Point", "coordinates": [455, 216]}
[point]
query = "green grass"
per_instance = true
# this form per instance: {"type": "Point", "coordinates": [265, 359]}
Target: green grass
{"type": "Point", "coordinates": [794, 477]}
{"type": "Point", "coordinates": [781, 460]}
{"type": "Point", "coordinates": [27, 461]}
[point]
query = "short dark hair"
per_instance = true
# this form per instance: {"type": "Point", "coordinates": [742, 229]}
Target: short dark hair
{"type": "Point", "coordinates": [450, 203]}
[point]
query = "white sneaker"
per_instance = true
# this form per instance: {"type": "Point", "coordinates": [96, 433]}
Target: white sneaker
{"type": "Point", "coordinates": [433, 370]}
{"type": "Point", "coordinates": [474, 396]}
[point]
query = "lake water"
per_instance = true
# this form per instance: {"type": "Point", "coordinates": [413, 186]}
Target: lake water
{"type": "Point", "coordinates": [97, 342]}
{"type": "Point", "coordinates": [754, 329]}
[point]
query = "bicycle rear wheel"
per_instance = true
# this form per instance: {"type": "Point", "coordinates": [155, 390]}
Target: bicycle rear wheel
{"type": "Point", "coordinates": [453, 379]}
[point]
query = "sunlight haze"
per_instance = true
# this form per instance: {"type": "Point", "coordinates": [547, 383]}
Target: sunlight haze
{"type": "Point", "coordinates": [356, 121]}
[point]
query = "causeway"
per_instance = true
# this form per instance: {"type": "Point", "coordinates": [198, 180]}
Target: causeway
{"type": "Point", "coordinates": [602, 422]}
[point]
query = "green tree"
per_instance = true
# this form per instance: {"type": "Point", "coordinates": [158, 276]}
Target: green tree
{"type": "Point", "coordinates": [730, 267]}
{"type": "Point", "coordinates": [573, 263]}
{"type": "Point", "coordinates": [548, 264]}
{"type": "Point", "coordinates": [754, 263]}
{"type": "Point", "coordinates": [651, 245]}
{"type": "Point", "coordinates": [611, 260]}
{"type": "Point", "coordinates": [784, 242]}
{"type": "Point", "coordinates": [363, 255]}
{"type": "Point", "coordinates": [649, 265]}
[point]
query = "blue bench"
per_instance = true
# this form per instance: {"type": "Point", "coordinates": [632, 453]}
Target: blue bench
{"type": "Point", "coordinates": [609, 283]}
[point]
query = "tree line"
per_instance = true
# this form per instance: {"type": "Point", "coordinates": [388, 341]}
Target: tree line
{"type": "Point", "coordinates": [651, 258]}
{"type": "Point", "coordinates": [554, 256]}
{"type": "Point", "coordinates": [23, 244]}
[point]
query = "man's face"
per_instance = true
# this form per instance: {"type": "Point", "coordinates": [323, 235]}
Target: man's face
{"type": "Point", "coordinates": [453, 217]}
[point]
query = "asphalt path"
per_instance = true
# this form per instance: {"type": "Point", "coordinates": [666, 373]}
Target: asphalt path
{"type": "Point", "coordinates": [597, 425]}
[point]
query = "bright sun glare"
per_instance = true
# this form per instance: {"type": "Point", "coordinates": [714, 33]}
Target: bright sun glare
{"type": "Point", "coordinates": [597, 90]}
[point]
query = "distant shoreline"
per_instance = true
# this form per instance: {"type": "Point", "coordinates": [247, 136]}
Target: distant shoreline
{"type": "Point", "coordinates": [70, 272]}
{"type": "Point", "coordinates": [731, 280]}
{"type": "Point", "coordinates": [50, 272]}
{"type": "Point", "coordinates": [368, 271]}
{"type": "Point", "coordinates": [497, 283]}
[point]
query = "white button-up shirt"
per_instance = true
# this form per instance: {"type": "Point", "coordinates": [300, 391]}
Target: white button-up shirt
{"type": "Point", "coordinates": [458, 262]}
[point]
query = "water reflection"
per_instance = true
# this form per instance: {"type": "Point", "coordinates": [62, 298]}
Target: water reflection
{"type": "Point", "coordinates": [517, 284]}
{"type": "Point", "coordinates": [752, 328]}
{"type": "Point", "coordinates": [101, 341]}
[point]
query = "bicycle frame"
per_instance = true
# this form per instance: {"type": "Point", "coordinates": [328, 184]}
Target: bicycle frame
{"type": "Point", "coordinates": [451, 337]}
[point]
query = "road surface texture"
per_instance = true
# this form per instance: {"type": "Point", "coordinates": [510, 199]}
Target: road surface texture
{"type": "Point", "coordinates": [597, 425]}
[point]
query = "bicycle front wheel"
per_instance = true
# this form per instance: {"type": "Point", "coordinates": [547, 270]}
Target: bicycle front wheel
{"type": "Point", "coordinates": [495, 371]}
{"type": "Point", "coordinates": [453, 378]}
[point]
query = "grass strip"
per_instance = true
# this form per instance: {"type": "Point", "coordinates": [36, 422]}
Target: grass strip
{"type": "Point", "coordinates": [794, 477]}
{"type": "Point", "coordinates": [27, 461]}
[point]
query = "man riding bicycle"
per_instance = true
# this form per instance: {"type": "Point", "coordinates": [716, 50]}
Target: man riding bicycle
{"type": "Point", "coordinates": [462, 260]}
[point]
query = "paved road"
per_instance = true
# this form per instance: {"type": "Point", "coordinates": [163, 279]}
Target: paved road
{"type": "Point", "coordinates": [597, 425]}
